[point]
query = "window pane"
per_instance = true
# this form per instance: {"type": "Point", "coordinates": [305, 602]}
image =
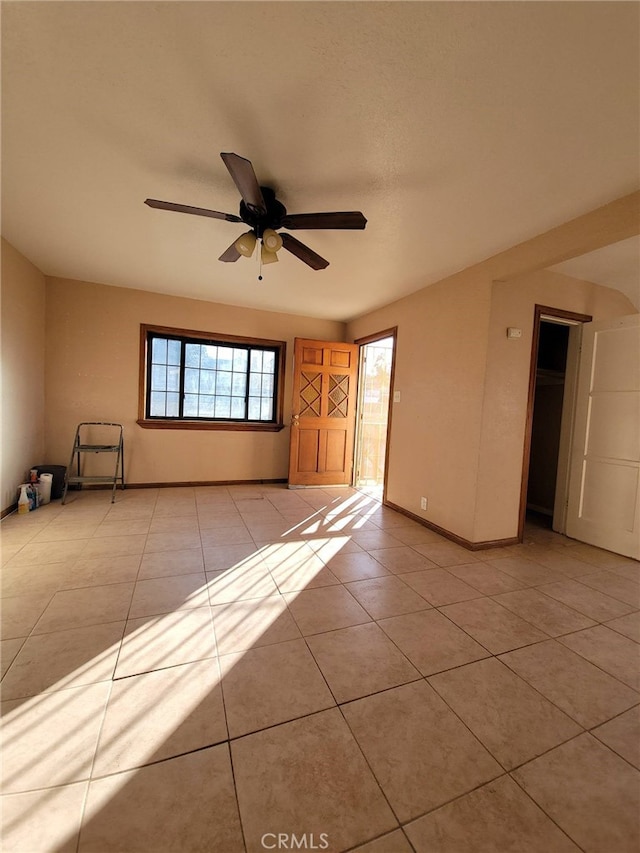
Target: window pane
{"type": "Point", "coordinates": [192, 355]}
{"type": "Point", "coordinates": [256, 359]}
{"type": "Point", "coordinates": [237, 408]}
{"type": "Point", "coordinates": [159, 351]}
{"type": "Point", "coordinates": [266, 408]}
{"type": "Point", "coordinates": [225, 358]}
{"type": "Point", "coordinates": [209, 356]}
{"type": "Point", "coordinates": [254, 408]}
{"type": "Point", "coordinates": [223, 407]}
{"type": "Point", "coordinates": [207, 381]}
{"type": "Point", "coordinates": [173, 405]}
{"type": "Point", "coordinates": [255, 384]}
{"type": "Point", "coordinates": [269, 362]}
{"type": "Point", "coordinates": [173, 379]}
{"type": "Point", "coordinates": [190, 406]}
{"type": "Point", "coordinates": [173, 352]}
{"type": "Point", "coordinates": [191, 380]}
{"type": "Point", "coordinates": [206, 407]}
{"type": "Point", "coordinates": [239, 385]}
{"type": "Point", "coordinates": [240, 358]}
{"type": "Point", "coordinates": [158, 377]}
{"type": "Point", "coordinates": [267, 385]}
{"type": "Point", "coordinates": [223, 385]}
{"type": "Point", "coordinates": [157, 406]}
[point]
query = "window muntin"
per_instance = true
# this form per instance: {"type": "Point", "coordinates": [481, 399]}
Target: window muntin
{"type": "Point", "coordinates": [194, 377]}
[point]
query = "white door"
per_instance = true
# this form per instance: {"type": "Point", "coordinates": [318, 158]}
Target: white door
{"type": "Point", "coordinates": [604, 486]}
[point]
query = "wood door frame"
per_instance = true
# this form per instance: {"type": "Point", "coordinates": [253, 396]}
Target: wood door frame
{"type": "Point", "coordinates": [370, 339]}
{"type": "Point", "coordinates": [540, 311]}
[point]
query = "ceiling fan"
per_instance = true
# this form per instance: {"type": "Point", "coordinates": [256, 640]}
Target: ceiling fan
{"type": "Point", "coordinates": [264, 214]}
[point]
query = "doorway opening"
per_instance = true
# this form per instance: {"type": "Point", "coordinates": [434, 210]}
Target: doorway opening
{"type": "Point", "coordinates": [374, 399]}
{"type": "Point", "coordinates": [552, 388]}
{"type": "Point", "coordinates": [551, 366]}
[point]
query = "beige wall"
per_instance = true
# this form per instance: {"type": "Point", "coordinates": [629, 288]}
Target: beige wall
{"type": "Point", "coordinates": [22, 392]}
{"type": "Point", "coordinates": [457, 435]}
{"type": "Point", "coordinates": [93, 334]}
{"type": "Point", "coordinates": [507, 385]}
{"type": "Point", "coordinates": [439, 372]}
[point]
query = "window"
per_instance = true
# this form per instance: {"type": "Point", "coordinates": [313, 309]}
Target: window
{"type": "Point", "coordinates": [197, 380]}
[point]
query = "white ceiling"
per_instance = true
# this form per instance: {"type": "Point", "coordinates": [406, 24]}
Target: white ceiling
{"type": "Point", "coordinates": [459, 129]}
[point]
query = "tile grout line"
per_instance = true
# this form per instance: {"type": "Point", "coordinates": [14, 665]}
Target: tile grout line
{"type": "Point", "coordinates": [543, 810]}
{"type": "Point", "coordinates": [226, 725]}
{"type": "Point", "coordinates": [124, 630]}
{"type": "Point", "coordinates": [85, 798]}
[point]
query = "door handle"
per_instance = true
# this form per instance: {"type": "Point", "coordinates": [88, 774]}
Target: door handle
{"type": "Point", "coordinates": [296, 420]}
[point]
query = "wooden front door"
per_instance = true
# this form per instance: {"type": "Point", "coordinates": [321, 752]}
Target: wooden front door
{"type": "Point", "coordinates": [323, 413]}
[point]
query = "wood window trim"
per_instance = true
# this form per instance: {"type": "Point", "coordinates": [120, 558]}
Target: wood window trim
{"type": "Point", "coordinates": [228, 426]}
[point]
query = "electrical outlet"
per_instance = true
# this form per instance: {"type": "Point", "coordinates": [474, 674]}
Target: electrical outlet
{"type": "Point", "coordinates": [423, 503]}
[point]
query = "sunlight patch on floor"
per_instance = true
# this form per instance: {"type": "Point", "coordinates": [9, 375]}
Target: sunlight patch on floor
{"type": "Point", "coordinates": [246, 604]}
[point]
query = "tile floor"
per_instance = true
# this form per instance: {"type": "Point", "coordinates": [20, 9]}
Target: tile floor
{"type": "Point", "coordinates": [251, 668]}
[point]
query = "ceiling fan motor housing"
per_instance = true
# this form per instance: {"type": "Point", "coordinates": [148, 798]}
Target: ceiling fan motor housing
{"type": "Point", "coordinates": [276, 212]}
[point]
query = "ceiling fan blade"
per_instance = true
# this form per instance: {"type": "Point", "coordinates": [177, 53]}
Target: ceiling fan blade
{"type": "Point", "coordinates": [231, 254]}
{"type": "Point", "coordinates": [185, 208]}
{"type": "Point", "coordinates": [303, 252]}
{"type": "Point", "coordinates": [245, 179]}
{"type": "Point", "coordinates": [347, 220]}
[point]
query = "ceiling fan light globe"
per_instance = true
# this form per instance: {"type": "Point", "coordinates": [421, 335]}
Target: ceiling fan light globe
{"type": "Point", "coordinates": [246, 244]}
{"type": "Point", "coordinates": [267, 256]}
{"type": "Point", "coordinates": [271, 240]}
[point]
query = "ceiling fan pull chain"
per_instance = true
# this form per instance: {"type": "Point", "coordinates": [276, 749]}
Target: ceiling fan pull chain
{"type": "Point", "coordinates": [259, 247]}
